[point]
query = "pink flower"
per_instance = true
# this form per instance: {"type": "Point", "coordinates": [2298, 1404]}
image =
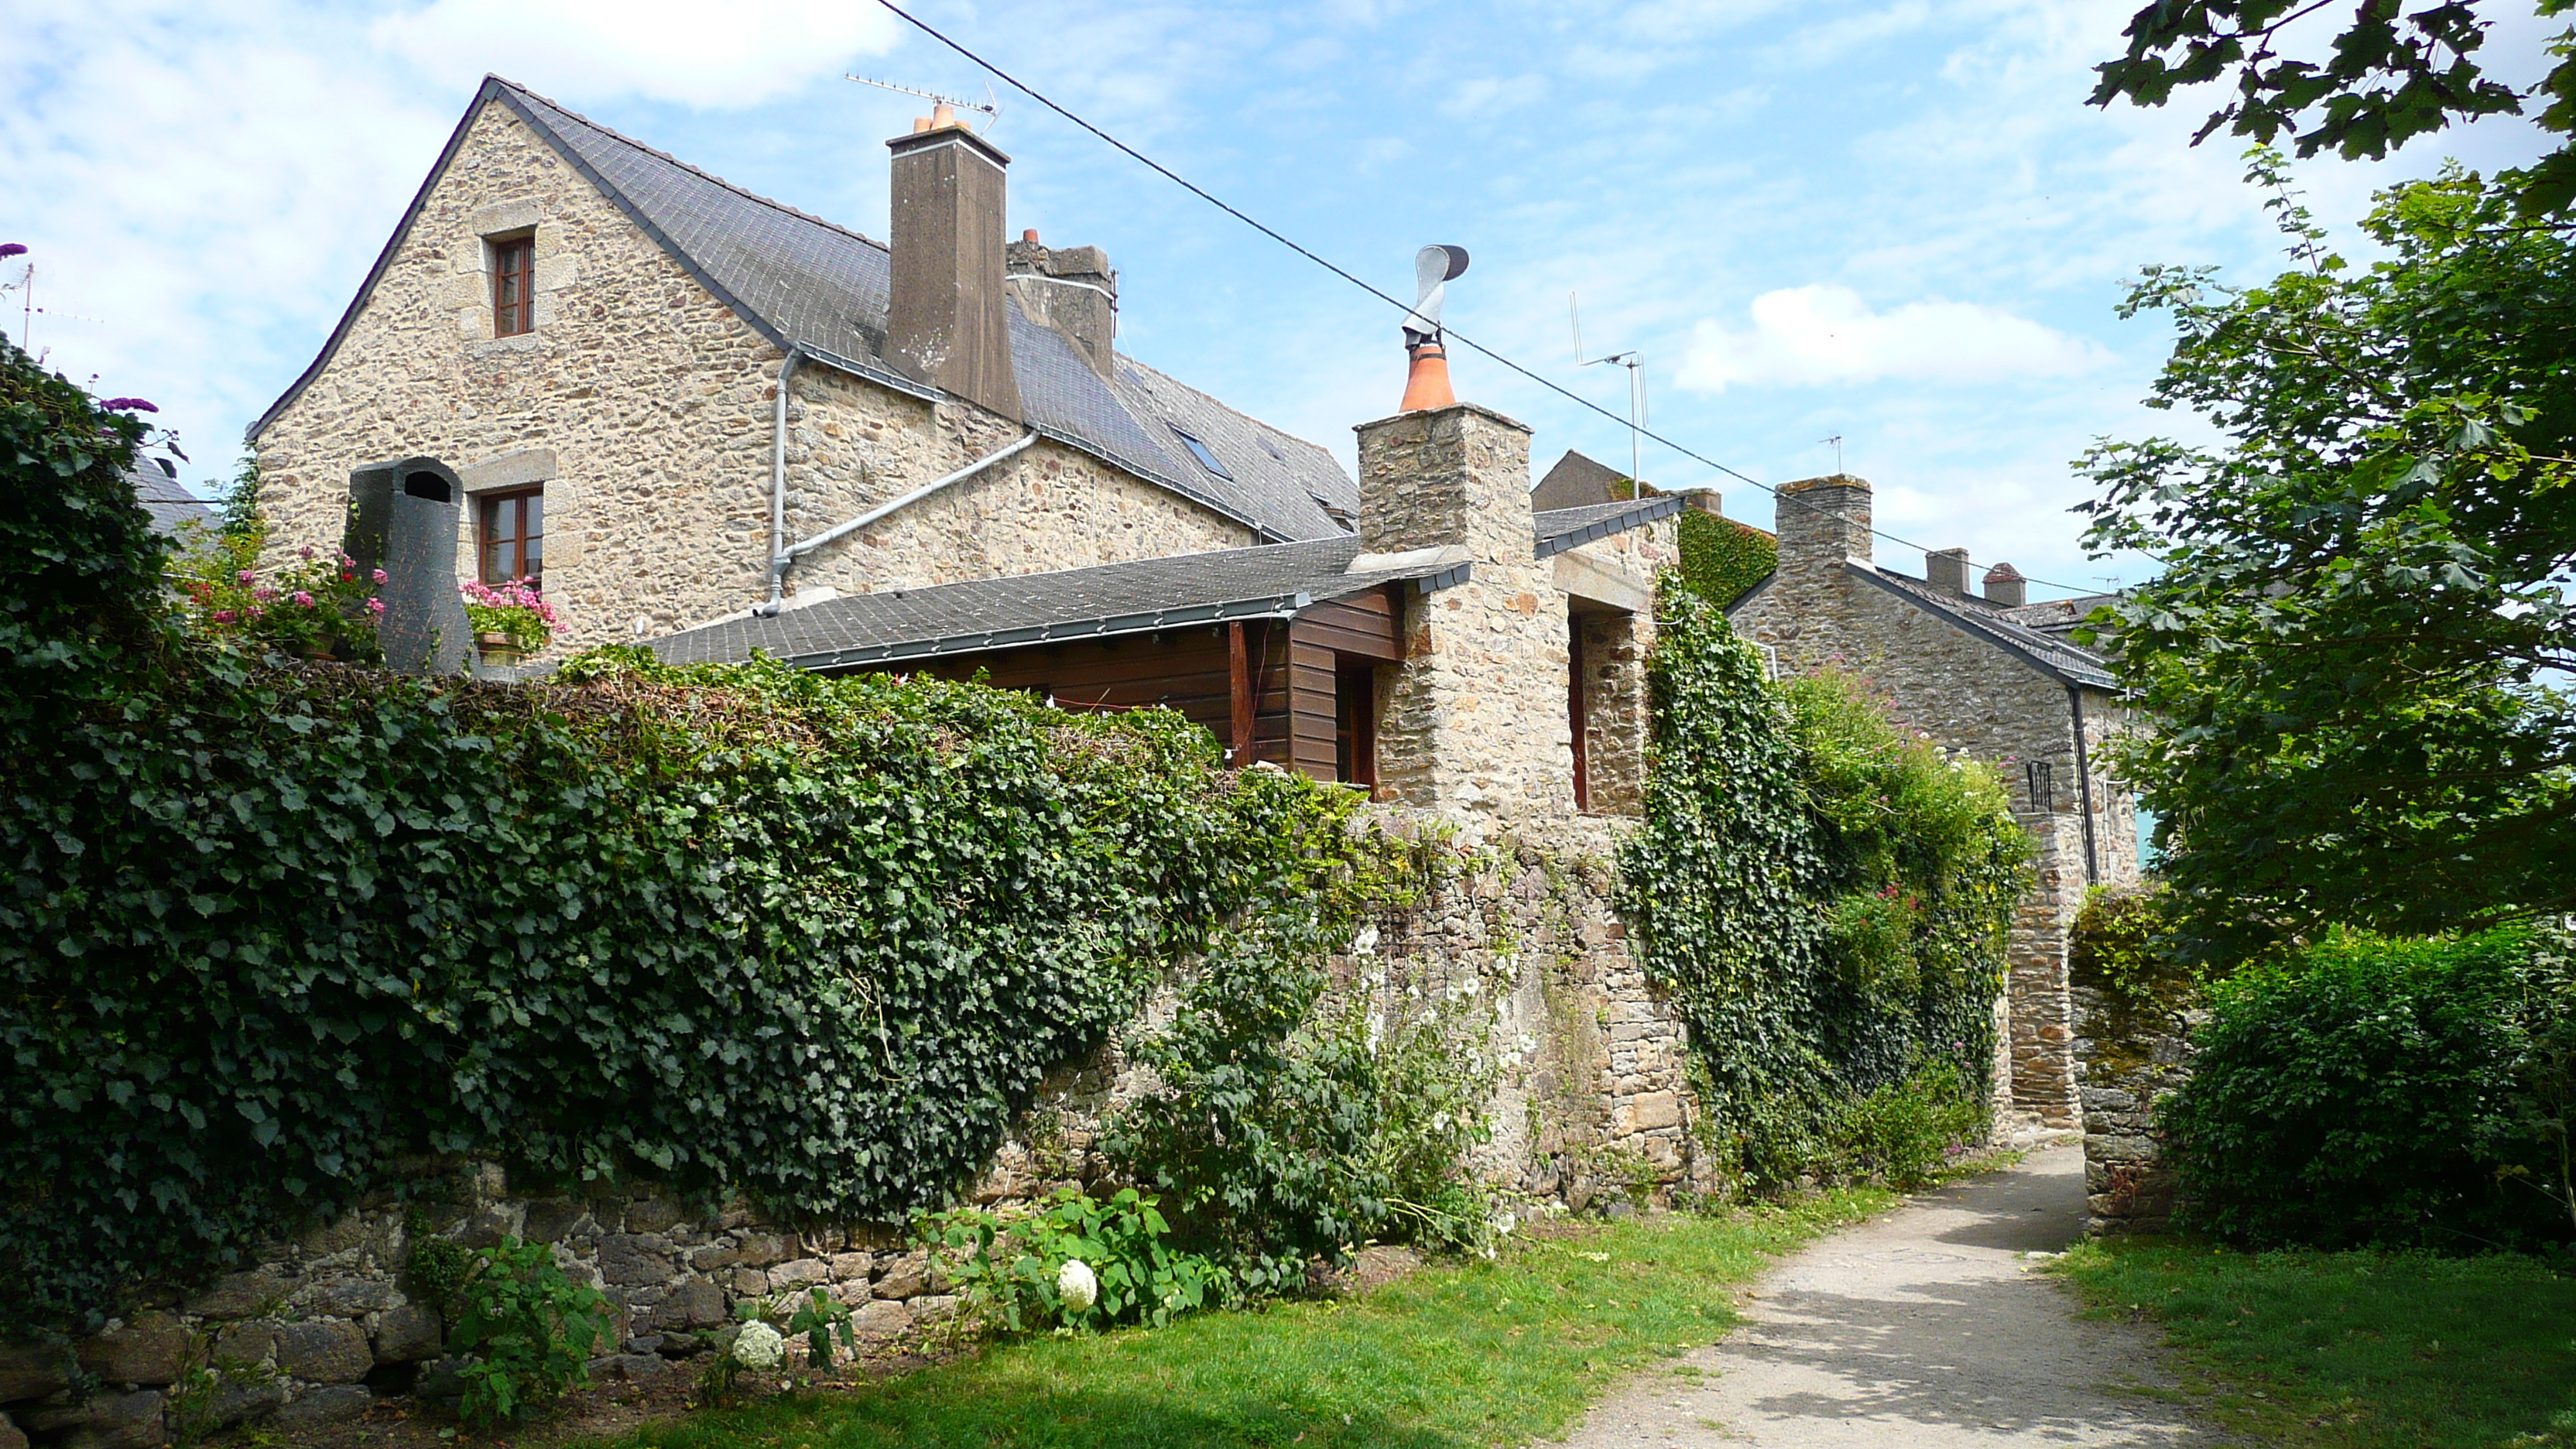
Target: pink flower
{"type": "Point", "coordinates": [307, 550]}
{"type": "Point", "coordinates": [251, 613]}
{"type": "Point", "coordinates": [225, 616]}
{"type": "Point", "coordinates": [243, 577]}
{"type": "Point", "coordinates": [263, 594]}
{"type": "Point", "coordinates": [375, 606]}
{"type": "Point", "coordinates": [380, 576]}
{"type": "Point", "coordinates": [303, 598]}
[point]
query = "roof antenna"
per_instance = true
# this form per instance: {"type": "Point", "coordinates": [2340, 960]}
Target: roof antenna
{"type": "Point", "coordinates": [1836, 443]}
{"type": "Point", "coordinates": [990, 108]}
{"type": "Point", "coordinates": [1634, 361]}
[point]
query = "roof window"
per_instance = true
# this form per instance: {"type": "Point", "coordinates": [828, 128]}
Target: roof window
{"type": "Point", "coordinates": [1200, 451]}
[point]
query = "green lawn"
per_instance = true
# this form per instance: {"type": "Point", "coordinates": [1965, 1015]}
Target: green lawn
{"type": "Point", "coordinates": [1486, 1353]}
{"type": "Point", "coordinates": [2357, 1349]}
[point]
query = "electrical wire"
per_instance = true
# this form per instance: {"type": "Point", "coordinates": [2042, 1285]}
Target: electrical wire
{"type": "Point", "coordinates": [1551, 385]}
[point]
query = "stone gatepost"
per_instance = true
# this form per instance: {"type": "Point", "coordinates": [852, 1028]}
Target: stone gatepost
{"type": "Point", "coordinates": [1476, 716]}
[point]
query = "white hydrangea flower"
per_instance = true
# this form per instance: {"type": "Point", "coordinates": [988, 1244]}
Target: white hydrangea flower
{"type": "Point", "coordinates": [1365, 943]}
{"type": "Point", "coordinates": [758, 1346]}
{"type": "Point", "coordinates": [1077, 1285]}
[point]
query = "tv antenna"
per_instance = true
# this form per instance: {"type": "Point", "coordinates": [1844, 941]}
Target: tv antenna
{"type": "Point", "coordinates": [992, 110]}
{"type": "Point", "coordinates": [1836, 443]}
{"type": "Point", "coordinates": [1635, 362]}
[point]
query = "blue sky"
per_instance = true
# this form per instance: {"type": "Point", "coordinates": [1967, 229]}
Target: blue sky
{"type": "Point", "coordinates": [1892, 221]}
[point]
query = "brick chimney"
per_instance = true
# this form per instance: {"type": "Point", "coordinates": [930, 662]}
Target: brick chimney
{"type": "Point", "coordinates": [949, 323]}
{"type": "Point", "coordinates": [1946, 569]}
{"type": "Point", "coordinates": [2006, 586]}
{"type": "Point", "coordinates": [1072, 290]}
{"type": "Point", "coordinates": [1821, 522]}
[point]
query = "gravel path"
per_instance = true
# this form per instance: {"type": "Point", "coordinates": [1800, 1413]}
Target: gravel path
{"type": "Point", "coordinates": [1922, 1329]}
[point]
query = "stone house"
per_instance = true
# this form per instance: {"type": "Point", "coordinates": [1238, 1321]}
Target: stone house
{"type": "Point", "coordinates": [673, 401]}
{"type": "Point", "coordinates": [1996, 677]}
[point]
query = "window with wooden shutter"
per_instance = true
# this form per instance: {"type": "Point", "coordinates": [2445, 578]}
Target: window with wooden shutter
{"type": "Point", "coordinates": [514, 526]}
{"type": "Point", "coordinates": [514, 285]}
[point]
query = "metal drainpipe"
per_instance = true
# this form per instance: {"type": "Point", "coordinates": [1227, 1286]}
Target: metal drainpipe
{"type": "Point", "coordinates": [778, 559]}
{"type": "Point", "coordinates": [2083, 782]}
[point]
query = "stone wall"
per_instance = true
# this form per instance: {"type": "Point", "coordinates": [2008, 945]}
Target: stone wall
{"type": "Point", "coordinates": [1520, 946]}
{"type": "Point", "coordinates": [646, 410]}
{"type": "Point", "coordinates": [1966, 694]}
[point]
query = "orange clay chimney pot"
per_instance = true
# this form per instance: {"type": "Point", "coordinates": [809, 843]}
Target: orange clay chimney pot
{"type": "Point", "coordinates": [1427, 386]}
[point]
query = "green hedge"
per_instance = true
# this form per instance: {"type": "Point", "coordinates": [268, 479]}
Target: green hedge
{"type": "Point", "coordinates": [268, 928]}
{"type": "Point", "coordinates": [2378, 1090]}
{"type": "Point", "coordinates": [1825, 899]}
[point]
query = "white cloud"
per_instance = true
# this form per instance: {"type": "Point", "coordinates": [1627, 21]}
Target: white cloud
{"type": "Point", "coordinates": [1487, 95]}
{"type": "Point", "coordinates": [1825, 333]}
{"type": "Point", "coordinates": [739, 54]}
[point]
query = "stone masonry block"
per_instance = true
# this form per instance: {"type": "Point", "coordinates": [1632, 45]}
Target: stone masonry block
{"type": "Point", "coordinates": [324, 1351]}
{"type": "Point", "coordinates": [153, 1349]}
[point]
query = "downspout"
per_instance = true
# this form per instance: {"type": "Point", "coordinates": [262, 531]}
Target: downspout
{"type": "Point", "coordinates": [789, 553]}
{"type": "Point", "coordinates": [778, 555]}
{"type": "Point", "coordinates": [2083, 782]}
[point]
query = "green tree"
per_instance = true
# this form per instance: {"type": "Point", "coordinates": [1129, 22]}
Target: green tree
{"type": "Point", "coordinates": [2359, 644]}
{"type": "Point", "coordinates": [2386, 78]}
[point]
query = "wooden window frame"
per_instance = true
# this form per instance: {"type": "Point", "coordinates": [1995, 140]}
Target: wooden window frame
{"type": "Point", "coordinates": [1355, 732]}
{"type": "Point", "coordinates": [487, 509]}
{"type": "Point", "coordinates": [514, 318]}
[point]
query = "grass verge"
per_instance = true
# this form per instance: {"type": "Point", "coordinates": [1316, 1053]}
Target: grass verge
{"type": "Point", "coordinates": [1477, 1354]}
{"type": "Point", "coordinates": [2359, 1350]}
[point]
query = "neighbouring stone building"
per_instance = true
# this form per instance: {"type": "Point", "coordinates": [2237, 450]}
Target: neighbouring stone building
{"type": "Point", "coordinates": [1993, 676]}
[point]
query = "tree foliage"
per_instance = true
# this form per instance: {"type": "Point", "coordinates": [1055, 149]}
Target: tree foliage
{"type": "Point", "coordinates": [2388, 77]}
{"type": "Point", "coordinates": [2357, 646]}
{"type": "Point", "coordinates": [1825, 900]}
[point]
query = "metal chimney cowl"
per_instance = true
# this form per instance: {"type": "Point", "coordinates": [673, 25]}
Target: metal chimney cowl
{"type": "Point", "coordinates": [948, 323]}
{"type": "Point", "coordinates": [424, 629]}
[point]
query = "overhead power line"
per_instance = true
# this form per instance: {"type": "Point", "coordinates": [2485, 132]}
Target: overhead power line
{"type": "Point", "coordinates": [1183, 182]}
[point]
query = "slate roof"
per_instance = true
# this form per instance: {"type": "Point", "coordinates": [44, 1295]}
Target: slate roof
{"type": "Point", "coordinates": [161, 496]}
{"type": "Point", "coordinates": [2059, 616]}
{"type": "Point", "coordinates": [802, 281]}
{"type": "Point", "coordinates": [1559, 529]}
{"type": "Point", "coordinates": [1270, 581]}
{"type": "Point", "coordinates": [2056, 657]}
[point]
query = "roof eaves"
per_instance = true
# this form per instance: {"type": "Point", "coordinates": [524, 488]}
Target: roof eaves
{"type": "Point", "coordinates": [870, 372]}
{"type": "Point", "coordinates": [2092, 678]}
{"type": "Point", "coordinates": [1649, 510]}
{"type": "Point", "coordinates": [402, 229]}
{"type": "Point", "coordinates": [1270, 606]}
{"type": "Point", "coordinates": [1749, 595]}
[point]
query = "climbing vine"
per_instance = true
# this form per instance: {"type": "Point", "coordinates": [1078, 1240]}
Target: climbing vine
{"type": "Point", "coordinates": [268, 927]}
{"type": "Point", "coordinates": [1721, 558]}
{"type": "Point", "coordinates": [1825, 899]}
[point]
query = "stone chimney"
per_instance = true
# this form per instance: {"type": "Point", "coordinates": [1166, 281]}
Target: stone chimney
{"type": "Point", "coordinates": [949, 323]}
{"type": "Point", "coordinates": [1821, 522]}
{"type": "Point", "coordinates": [2006, 586]}
{"type": "Point", "coordinates": [1475, 718]}
{"type": "Point", "coordinates": [1072, 290]}
{"type": "Point", "coordinates": [1946, 569]}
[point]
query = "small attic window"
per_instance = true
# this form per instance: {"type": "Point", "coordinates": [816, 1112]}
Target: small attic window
{"type": "Point", "coordinates": [1200, 451]}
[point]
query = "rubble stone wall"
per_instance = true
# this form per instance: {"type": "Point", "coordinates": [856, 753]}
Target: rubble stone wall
{"type": "Point", "coordinates": [2133, 1054]}
{"type": "Point", "coordinates": [1520, 946]}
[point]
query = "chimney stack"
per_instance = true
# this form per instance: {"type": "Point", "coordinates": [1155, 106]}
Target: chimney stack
{"type": "Point", "coordinates": [1821, 522]}
{"type": "Point", "coordinates": [949, 322]}
{"type": "Point", "coordinates": [2006, 586]}
{"type": "Point", "coordinates": [1072, 290]}
{"type": "Point", "coordinates": [1946, 569]}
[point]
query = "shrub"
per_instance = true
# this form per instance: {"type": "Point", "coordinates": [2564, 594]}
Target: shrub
{"type": "Point", "coordinates": [1826, 901]}
{"type": "Point", "coordinates": [529, 1330]}
{"type": "Point", "coordinates": [1075, 1263]}
{"type": "Point", "coordinates": [2378, 1090]}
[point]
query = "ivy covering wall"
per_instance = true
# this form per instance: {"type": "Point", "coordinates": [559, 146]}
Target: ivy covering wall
{"type": "Point", "coordinates": [268, 928]}
{"type": "Point", "coordinates": [1721, 559]}
{"type": "Point", "coordinates": [1825, 899]}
